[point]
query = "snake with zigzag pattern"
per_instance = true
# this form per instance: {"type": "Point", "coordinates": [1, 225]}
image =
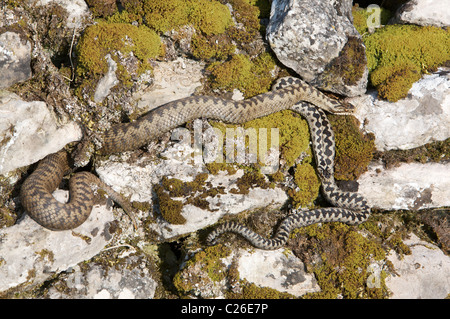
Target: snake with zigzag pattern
{"type": "Point", "coordinates": [288, 93]}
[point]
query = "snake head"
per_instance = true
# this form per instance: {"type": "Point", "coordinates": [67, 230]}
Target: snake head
{"type": "Point", "coordinates": [344, 108]}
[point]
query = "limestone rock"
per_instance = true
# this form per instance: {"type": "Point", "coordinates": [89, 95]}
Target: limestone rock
{"type": "Point", "coordinates": [277, 270]}
{"type": "Point", "coordinates": [29, 132]}
{"type": "Point", "coordinates": [129, 279]}
{"type": "Point", "coordinates": [308, 36]}
{"type": "Point", "coordinates": [421, 275]}
{"type": "Point", "coordinates": [30, 253]}
{"type": "Point", "coordinates": [15, 58]}
{"type": "Point", "coordinates": [137, 181]}
{"type": "Point", "coordinates": [422, 117]}
{"type": "Point", "coordinates": [409, 186]}
{"type": "Point", "coordinates": [172, 80]}
{"type": "Point", "coordinates": [424, 12]}
{"type": "Point", "coordinates": [265, 269]}
{"type": "Point", "coordinates": [107, 82]}
{"type": "Point", "coordinates": [77, 10]}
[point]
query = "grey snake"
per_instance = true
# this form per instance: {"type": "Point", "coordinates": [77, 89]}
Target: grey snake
{"type": "Point", "coordinates": [289, 93]}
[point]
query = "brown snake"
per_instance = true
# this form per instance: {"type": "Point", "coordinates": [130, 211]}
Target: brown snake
{"type": "Point", "coordinates": [36, 191]}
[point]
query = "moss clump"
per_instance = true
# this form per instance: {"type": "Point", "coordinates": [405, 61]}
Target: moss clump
{"type": "Point", "coordinates": [354, 150]}
{"type": "Point", "coordinates": [247, 17]}
{"type": "Point", "coordinates": [110, 38]}
{"type": "Point", "coordinates": [210, 16]}
{"type": "Point", "coordinates": [293, 134]}
{"type": "Point", "coordinates": [170, 209]}
{"type": "Point", "coordinates": [214, 168]}
{"type": "Point", "coordinates": [392, 81]}
{"type": "Point", "coordinates": [211, 47]}
{"type": "Point", "coordinates": [361, 16]}
{"type": "Point", "coordinates": [308, 183]}
{"type": "Point", "coordinates": [346, 256]}
{"type": "Point", "coordinates": [251, 77]}
{"type": "Point", "coordinates": [398, 55]}
{"type": "Point", "coordinates": [165, 15]}
{"type": "Point", "coordinates": [249, 180]}
{"type": "Point", "coordinates": [252, 291]}
{"type": "Point", "coordinates": [431, 152]}
{"type": "Point", "coordinates": [178, 188]}
{"type": "Point", "coordinates": [202, 270]}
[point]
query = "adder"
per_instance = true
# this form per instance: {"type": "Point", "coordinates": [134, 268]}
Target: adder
{"type": "Point", "coordinates": [288, 93]}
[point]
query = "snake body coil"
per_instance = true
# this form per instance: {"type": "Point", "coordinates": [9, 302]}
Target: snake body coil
{"type": "Point", "coordinates": [38, 201]}
{"type": "Point", "coordinates": [351, 208]}
{"type": "Point", "coordinates": [40, 204]}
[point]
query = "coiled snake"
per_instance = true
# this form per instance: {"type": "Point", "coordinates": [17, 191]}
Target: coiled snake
{"type": "Point", "coordinates": [351, 207]}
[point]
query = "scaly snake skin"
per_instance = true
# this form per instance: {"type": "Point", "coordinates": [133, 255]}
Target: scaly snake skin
{"type": "Point", "coordinates": [351, 208]}
{"type": "Point", "coordinates": [38, 201]}
{"type": "Point", "coordinates": [36, 191]}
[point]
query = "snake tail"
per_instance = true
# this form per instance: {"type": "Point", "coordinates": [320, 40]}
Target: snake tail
{"type": "Point", "coordinates": [295, 220]}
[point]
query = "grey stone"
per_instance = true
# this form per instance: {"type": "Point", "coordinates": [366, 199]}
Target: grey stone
{"type": "Point", "coordinates": [129, 279]}
{"type": "Point", "coordinates": [308, 36]}
{"type": "Point", "coordinates": [424, 12]}
{"type": "Point", "coordinates": [422, 117]}
{"type": "Point", "coordinates": [410, 186]}
{"type": "Point", "coordinates": [424, 274]}
{"type": "Point", "coordinates": [107, 82]}
{"type": "Point", "coordinates": [15, 58]}
{"type": "Point", "coordinates": [30, 253]}
{"type": "Point", "coordinates": [29, 132]}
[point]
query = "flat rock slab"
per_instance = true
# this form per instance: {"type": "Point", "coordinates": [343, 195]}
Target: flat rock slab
{"type": "Point", "coordinates": [29, 132]}
{"type": "Point", "coordinates": [15, 59]}
{"type": "Point", "coordinates": [30, 253]}
{"type": "Point", "coordinates": [409, 186]}
{"type": "Point", "coordinates": [422, 117]}
{"type": "Point", "coordinates": [424, 274]}
{"type": "Point", "coordinates": [277, 270]}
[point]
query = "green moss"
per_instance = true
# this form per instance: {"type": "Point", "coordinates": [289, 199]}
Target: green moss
{"type": "Point", "coordinates": [392, 81]}
{"type": "Point", "coordinates": [211, 47]}
{"type": "Point", "coordinates": [120, 17]}
{"type": "Point", "coordinates": [397, 55]}
{"type": "Point", "coordinates": [108, 38]}
{"type": "Point", "coordinates": [170, 209]}
{"type": "Point", "coordinates": [361, 16]}
{"type": "Point", "coordinates": [178, 188]}
{"type": "Point", "coordinates": [165, 15]}
{"type": "Point", "coordinates": [249, 180]}
{"type": "Point", "coordinates": [308, 182]}
{"type": "Point", "coordinates": [247, 17]}
{"type": "Point", "coordinates": [210, 16]}
{"type": "Point", "coordinates": [134, 9]}
{"type": "Point", "coordinates": [204, 268]}
{"type": "Point", "coordinates": [346, 255]}
{"type": "Point", "coordinates": [251, 77]}
{"type": "Point", "coordinates": [194, 193]}
{"type": "Point", "coordinates": [354, 150]}
{"type": "Point", "coordinates": [252, 291]}
{"type": "Point", "coordinates": [294, 133]}
{"type": "Point", "coordinates": [214, 168]}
